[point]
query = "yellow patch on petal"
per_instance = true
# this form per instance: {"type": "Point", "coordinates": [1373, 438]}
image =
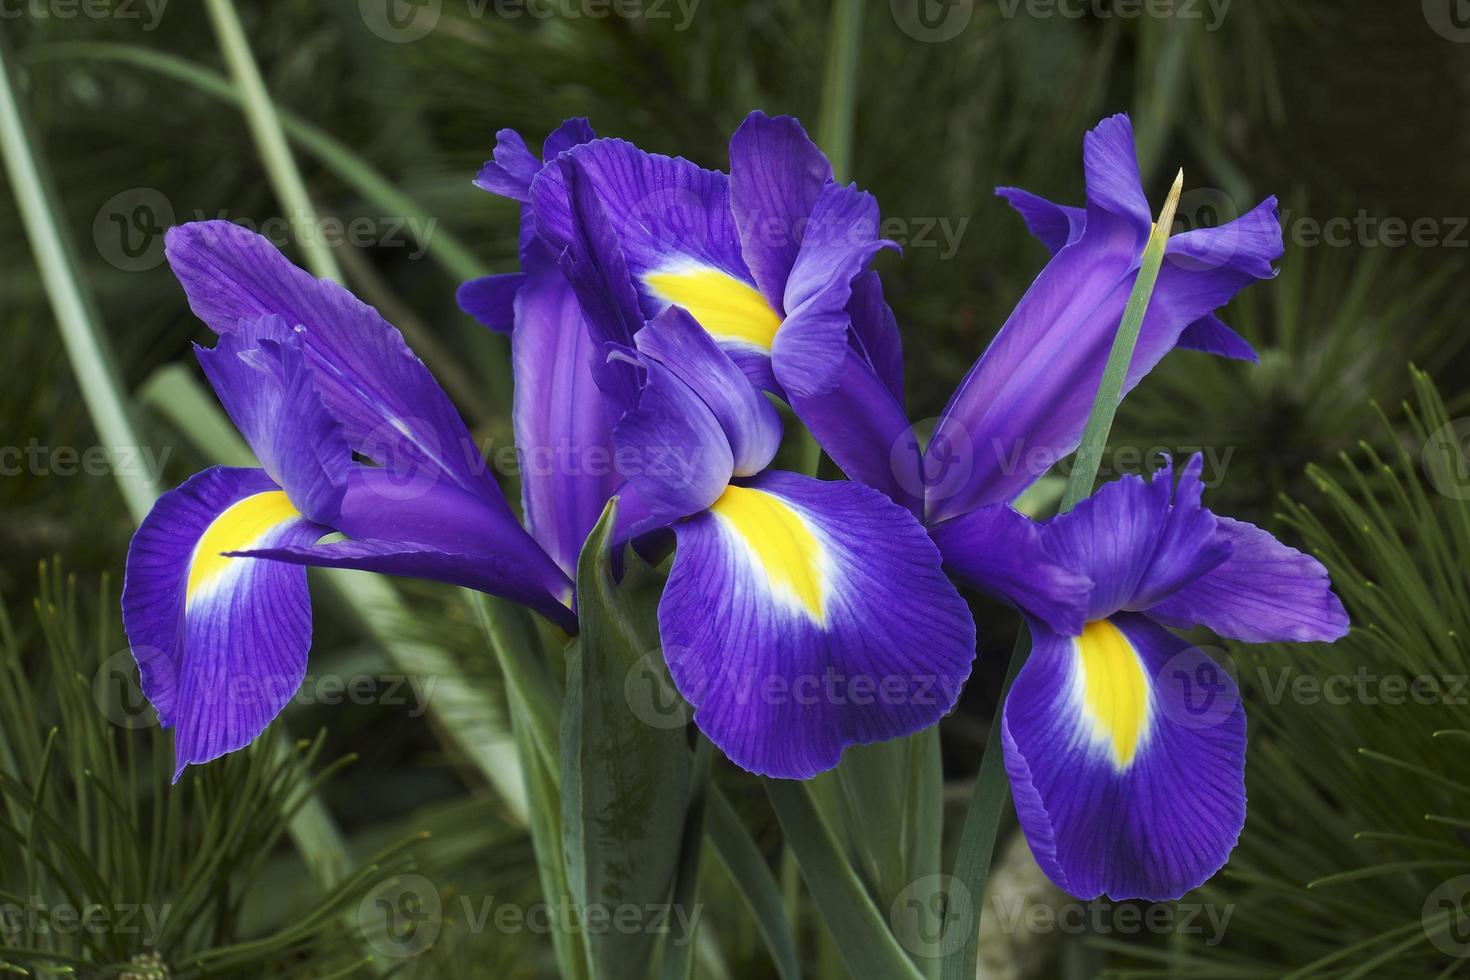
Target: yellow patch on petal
{"type": "Point", "coordinates": [1115, 689]}
{"type": "Point", "coordinates": [238, 528]}
{"type": "Point", "coordinates": [726, 307]}
{"type": "Point", "coordinates": [781, 544]}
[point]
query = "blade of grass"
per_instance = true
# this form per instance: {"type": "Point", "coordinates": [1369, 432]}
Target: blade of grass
{"type": "Point", "coordinates": [270, 139]}
{"type": "Point", "coordinates": [313, 830]}
{"type": "Point", "coordinates": [863, 935]}
{"type": "Point", "coordinates": [992, 791]}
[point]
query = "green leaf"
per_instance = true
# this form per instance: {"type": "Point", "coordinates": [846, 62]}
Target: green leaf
{"type": "Point", "coordinates": [625, 783]}
{"type": "Point", "coordinates": [861, 931]}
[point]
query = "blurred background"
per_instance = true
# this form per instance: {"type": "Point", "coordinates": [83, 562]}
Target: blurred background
{"type": "Point", "coordinates": [1348, 438]}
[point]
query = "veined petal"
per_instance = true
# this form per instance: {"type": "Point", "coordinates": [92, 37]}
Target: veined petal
{"type": "Point", "coordinates": [801, 617]}
{"type": "Point", "coordinates": [862, 426]}
{"type": "Point", "coordinates": [1135, 543]}
{"type": "Point", "coordinates": [1264, 592]}
{"type": "Point", "coordinates": [1024, 404]}
{"type": "Point", "coordinates": [750, 422]}
{"type": "Point", "coordinates": [1000, 551]}
{"type": "Point", "coordinates": [1126, 752]}
{"type": "Point", "coordinates": [391, 409]}
{"type": "Point", "coordinates": [220, 641]}
{"type": "Point", "coordinates": [776, 175]}
{"type": "Point", "coordinates": [261, 377]}
{"type": "Point", "coordinates": [875, 332]}
{"type": "Point", "coordinates": [840, 239]}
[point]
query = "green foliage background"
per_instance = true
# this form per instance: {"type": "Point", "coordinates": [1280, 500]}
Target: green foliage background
{"type": "Point", "coordinates": [1351, 111]}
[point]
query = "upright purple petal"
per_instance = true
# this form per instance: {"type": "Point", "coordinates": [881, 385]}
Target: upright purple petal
{"type": "Point", "coordinates": [875, 332]}
{"type": "Point", "coordinates": [1024, 404]}
{"type": "Point", "coordinates": [801, 617]}
{"type": "Point", "coordinates": [776, 175]}
{"type": "Point", "coordinates": [841, 237]}
{"type": "Point", "coordinates": [391, 409]}
{"type": "Point", "coordinates": [509, 172]}
{"type": "Point", "coordinates": [261, 377]}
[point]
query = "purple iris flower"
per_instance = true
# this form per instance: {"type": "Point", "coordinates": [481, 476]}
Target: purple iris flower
{"type": "Point", "coordinates": [800, 616]}
{"type": "Point", "coordinates": [1125, 744]}
{"type": "Point", "coordinates": [353, 436]}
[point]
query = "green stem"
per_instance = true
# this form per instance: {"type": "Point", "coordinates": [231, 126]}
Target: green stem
{"type": "Point", "coordinates": [839, 88]}
{"type": "Point", "coordinates": [270, 139]}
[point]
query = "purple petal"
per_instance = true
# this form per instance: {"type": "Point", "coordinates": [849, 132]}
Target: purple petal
{"type": "Point", "coordinates": [391, 408]}
{"type": "Point", "coordinates": [220, 642]}
{"type": "Point", "coordinates": [750, 422]}
{"type": "Point", "coordinates": [840, 239]}
{"type": "Point", "coordinates": [1002, 552]}
{"type": "Point", "coordinates": [510, 172]}
{"type": "Point", "coordinates": [1126, 752]}
{"type": "Point", "coordinates": [573, 132]}
{"type": "Point", "coordinates": [1210, 335]}
{"type": "Point", "coordinates": [676, 457]}
{"type": "Point", "coordinates": [261, 377]}
{"type": "Point", "coordinates": [801, 617]}
{"type": "Point", "coordinates": [864, 429]}
{"type": "Point", "coordinates": [1056, 225]}
{"type": "Point", "coordinates": [1265, 592]}
{"type": "Point", "coordinates": [491, 299]}
{"type": "Point", "coordinates": [1134, 544]}
{"type": "Point", "coordinates": [875, 332]}
{"type": "Point", "coordinates": [776, 175]}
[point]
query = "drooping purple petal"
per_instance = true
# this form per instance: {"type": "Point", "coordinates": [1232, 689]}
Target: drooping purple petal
{"type": "Point", "coordinates": [1056, 225]}
{"type": "Point", "coordinates": [220, 642]}
{"type": "Point", "coordinates": [1210, 335]}
{"type": "Point", "coordinates": [997, 550]}
{"type": "Point", "coordinates": [391, 409]}
{"type": "Point", "coordinates": [801, 617]}
{"type": "Point", "coordinates": [776, 176]}
{"type": "Point", "coordinates": [1126, 753]}
{"type": "Point", "coordinates": [261, 377]}
{"type": "Point", "coordinates": [1264, 592]}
